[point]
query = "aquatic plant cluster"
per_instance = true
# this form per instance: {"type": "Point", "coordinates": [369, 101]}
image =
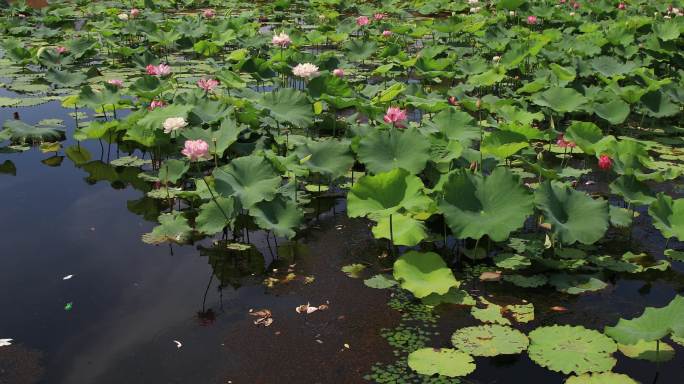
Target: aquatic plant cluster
{"type": "Point", "coordinates": [516, 138]}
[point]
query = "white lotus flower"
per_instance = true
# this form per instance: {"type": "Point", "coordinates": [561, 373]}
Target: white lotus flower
{"type": "Point", "coordinates": [306, 71]}
{"type": "Point", "coordinates": [123, 16]}
{"type": "Point", "coordinates": [173, 124]}
{"type": "Point", "coordinates": [5, 342]}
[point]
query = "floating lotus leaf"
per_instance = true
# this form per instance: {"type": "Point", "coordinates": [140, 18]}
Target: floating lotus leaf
{"type": "Point", "coordinates": [216, 215]}
{"type": "Point", "coordinates": [668, 216]}
{"type": "Point", "coordinates": [280, 215]}
{"type": "Point", "coordinates": [331, 158]}
{"type": "Point", "coordinates": [654, 351]}
{"type": "Point", "coordinates": [632, 190]}
{"type": "Point", "coordinates": [491, 313]}
{"type": "Point", "coordinates": [521, 313]}
{"type": "Point", "coordinates": [454, 296]}
{"type": "Point", "coordinates": [384, 151]}
{"type": "Point", "coordinates": [18, 131]}
{"type": "Point", "coordinates": [405, 229]}
{"type": "Point", "coordinates": [475, 206]}
{"type": "Point", "coordinates": [380, 282]}
{"type": "Point", "coordinates": [526, 281]}
{"type": "Point", "coordinates": [601, 378]}
{"type": "Point", "coordinates": [443, 361]}
{"type": "Point", "coordinates": [172, 227]}
{"type": "Point", "coordinates": [353, 270]}
{"type": "Point", "coordinates": [653, 324]}
{"type": "Point", "coordinates": [250, 179]}
{"type": "Point", "coordinates": [503, 144]}
{"type": "Point", "coordinates": [560, 99]}
{"type": "Point", "coordinates": [571, 349]}
{"type": "Point", "coordinates": [674, 255]}
{"type": "Point", "coordinates": [423, 273]}
{"type": "Point", "coordinates": [386, 193]}
{"type": "Point", "coordinates": [576, 284]}
{"type": "Point", "coordinates": [129, 161]}
{"type": "Point", "coordinates": [489, 340]}
{"type": "Point", "coordinates": [511, 261]}
{"type": "Point", "coordinates": [613, 264]}
{"type": "Point", "coordinates": [574, 216]}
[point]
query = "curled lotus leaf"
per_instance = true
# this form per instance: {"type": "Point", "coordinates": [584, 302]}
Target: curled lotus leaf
{"type": "Point", "coordinates": [653, 324]}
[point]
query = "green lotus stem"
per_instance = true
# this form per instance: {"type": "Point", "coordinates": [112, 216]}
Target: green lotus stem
{"type": "Point", "coordinates": [391, 235]}
{"type": "Point", "coordinates": [213, 140]}
{"type": "Point", "coordinates": [213, 198]}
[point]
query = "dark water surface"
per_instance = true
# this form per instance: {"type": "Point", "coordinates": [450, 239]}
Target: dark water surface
{"type": "Point", "coordinates": [132, 300]}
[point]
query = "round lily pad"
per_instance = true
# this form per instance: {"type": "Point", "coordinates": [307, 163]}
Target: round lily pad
{"type": "Point", "coordinates": [490, 340]}
{"type": "Point", "coordinates": [511, 261]}
{"type": "Point", "coordinates": [601, 378]}
{"type": "Point", "coordinates": [444, 361]}
{"type": "Point", "coordinates": [576, 284]}
{"type": "Point", "coordinates": [526, 281]}
{"type": "Point", "coordinates": [570, 349]}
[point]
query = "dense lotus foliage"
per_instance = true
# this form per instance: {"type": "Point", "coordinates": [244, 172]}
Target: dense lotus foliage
{"type": "Point", "coordinates": [523, 135]}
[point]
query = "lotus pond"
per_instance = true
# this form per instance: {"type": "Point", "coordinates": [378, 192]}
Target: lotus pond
{"type": "Point", "coordinates": [333, 191]}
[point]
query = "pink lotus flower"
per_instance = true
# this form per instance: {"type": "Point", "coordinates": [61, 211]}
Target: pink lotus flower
{"type": "Point", "coordinates": [338, 72]}
{"type": "Point", "coordinates": [605, 162]}
{"type": "Point", "coordinates": [116, 82]}
{"type": "Point", "coordinates": [562, 1]}
{"type": "Point", "coordinates": [135, 12]}
{"type": "Point", "coordinates": [379, 16]}
{"type": "Point", "coordinates": [561, 142]}
{"type": "Point", "coordinates": [576, 5]}
{"type": "Point", "coordinates": [156, 104]}
{"type": "Point", "coordinates": [622, 6]}
{"type": "Point", "coordinates": [395, 115]}
{"type": "Point", "coordinates": [282, 40]}
{"type": "Point", "coordinates": [196, 150]}
{"type": "Point", "coordinates": [453, 101]}
{"type": "Point", "coordinates": [158, 70]}
{"type": "Point", "coordinates": [362, 20]}
{"type": "Point", "coordinates": [208, 13]}
{"type": "Point", "coordinates": [61, 49]}
{"type": "Point", "coordinates": [207, 84]}
{"type": "Point", "coordinates": [531, 20]}
{"type": "Point", "coordinates": [306, 71]}
{"type": "Point", "coordinates": [386, 33]}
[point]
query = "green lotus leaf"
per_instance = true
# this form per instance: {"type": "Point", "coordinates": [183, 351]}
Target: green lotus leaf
{"type": "Point", "coordinates": [149, 87]}
{"type": "Point", "coordinates": [601, 378]}
{"type": "Point", "coordinates": [666, 30]}
{"type": "Point", "coordinates": [454, 296]}
{"type": "Point", "coordinates": [353, 270]}
{"type": "Point", "coordinates": [632, 190]}
{"type": "Point", "coordinates": [359, 50]}
{"type": "Point", "coordinates": [172, 227]}
{"type": "Point", "coordinates": [653, 324]}
{"type": "Point", "coordinates": [475, 206]}
{"type": "Point", "coordinates": [384, 151]}
{"type": "Point", "coordinates": [154, 119]}
{"type": "Point", "coordinates": [674, 255]}
{"type": "Point", "coordinates": [386, 193]}
{"type": "Point", "coordinates": [219, 140]}
{"type": "Point", "coordinates": [78, 155]}
{"type": "Point", "coordinates": [571, 349]}
{"type": "Point", "coordinates": [654, 351]}
{"type": "Point", "coordinates": [456, 125]}
{"type": "Point", "coordinates": [172, 170]}
{"type": "Point", "coordinates": [423, 273]}
{"type": "Point", "coordinates": [576, 284]}
{"type": "Point", "coordinates": [18, 131]}
{"type": "Point", "coordinates": [608, 66]}
{"type": "Point", "coordinates": [560, 99]}
{"type": "Point", "coordinates": [615, 112]}
{"type": "Point", "coordinates": [668, 216]}
{"type": "Point", "coordinates": [250, 179]}
{"type": "Point", "coordinates": [489, 340]}
{"type": "Point", "coordinates": [405, 229]}
{"type": "Point", "coordinates": [586, 135]}
{"type": "Point", "coordinates": [511, 114]}
{"type": "Point", "coordinates": [522, 313]}
{"type": "Point", "coordinates": [279, 215]}
{"type": "Point", "coordinates": [331, 158]}
{"type": "Point", "coordinates": [215, 215]}
{"type": "Point", "coordinates": [503, 144]}
{"type": "Point", "coordinates": [288, 105]}
{"type": "Point", "coordinates": [7, 167]}
{"type": "Point", "coordinates": [658, 104]}
{"type": "Point", "coordinates": [574, 216]}
{"type": "Point", "coordinates": [629, 156]}
{"type": "Point", "coordinates": [65, 79]}
{"type": "Point", "coordinates": [620, 217]}
{"type": "Point", "coordinates": [443, 361]}
{"type": "Point", "coordinates": [129, 161]}
{"type": "Point", "coordinates": [533, 281]}
{"type": "Point", "coordinates": [511, 261]}
{"type": "Point", "coordinates": [616, 265]}
{"type": "Point", "coordinates": [490, 313]}
{"type": "Point", "coordinates": [380, 282]}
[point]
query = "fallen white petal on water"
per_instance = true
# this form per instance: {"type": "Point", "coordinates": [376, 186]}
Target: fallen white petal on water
{"type": "Point", "coordinates": [347, 346]}
{"type": "Point", "coordinates": [67, 277]}
{"type": "Point", "coordinates": [590, 182]}
{"type": "Point", "coordinates": [178, 343]}
{"type": "Point", "coordinates": [5, 342]}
